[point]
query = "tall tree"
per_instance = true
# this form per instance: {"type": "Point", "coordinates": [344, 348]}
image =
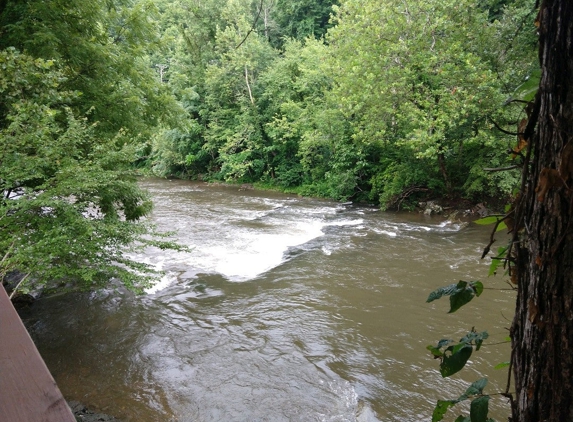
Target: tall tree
{"type": "Point", "coordinates": [420, 78]}
{"type": "Point", "coordinates": [101, 48]}
{"type": "Point", "coordinates": [75, 93]}
{"type": "Point", "coordinates": [542, 331]}
{"type": "Point", "coordinates": [70, 206]}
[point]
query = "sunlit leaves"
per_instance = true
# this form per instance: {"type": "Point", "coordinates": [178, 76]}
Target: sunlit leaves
{"type": "Point", "coordinates": [527, 90]}
{"type": "Point", "coordinates": [420, 78]}
{"type": "Point", "coordinates": [441, 409]}
{"type": "Point", "coordinates": [502, 365]}
{"type": "Point", "coordinates": [422, 82]}
{"type": "Point", "coordinates": [398, 97]}
{"type": "Point", "coordinates": [101, 49]}
{"type": "Point", "coordinates": [498, 259]}
{"type": "Point", "coordinates": [486, 221]}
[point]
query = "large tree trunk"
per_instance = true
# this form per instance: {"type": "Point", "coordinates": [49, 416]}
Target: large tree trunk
{"type": "Point", "coordinates": [542, 331]}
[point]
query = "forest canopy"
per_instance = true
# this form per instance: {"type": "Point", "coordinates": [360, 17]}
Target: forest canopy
{"type": "Point", "coordinates": [371, 100]}
{"type": "Point", "coordinates": [350, 100]}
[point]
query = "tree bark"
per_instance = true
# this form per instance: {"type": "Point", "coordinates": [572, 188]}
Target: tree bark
{"type": "Point", "coordinates": [249, 86]}
{"type": "Point", "coordinates": [542, 330]}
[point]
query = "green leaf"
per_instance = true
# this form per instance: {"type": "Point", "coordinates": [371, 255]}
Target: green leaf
{"type": "Point", "coordinates": [486, 220]}
{"type": "Point", "coordinates": [454, 363]}
{"type": "Point", "coordinates": [495, 263]}
{"type": "Point", "coordinates": [460, 298]}
{"type": "Point", "coordinates": [501, 251]}
{"type": "Point", "coordinates": [478, 287]}
{"type": "Point", "coordinates": [442, 291]}
{"type": "Point", "coordinates": [435, 351]}
{"type": "Point", "coordinates": [479, 409]}
{"type": "Point", "coordinates": [455, 349]}
{"type": "Point", "coordinates": [476, 387]}
{"type": "Point", "coordinates": [501, 226]}
{"type": "Point", "coordinates": [497, 260]}
{"type": "Point", "coordinates": [501, 365]}
{"type": "Point", "coordinates": [460, 293]}
{"type": "Point", "coordinates": [463, 419]}
{"type": "Point", "coordinates": [474, 337]}
{"type": "Point", "coordinates": [527, 90]}
{"type": "Point", "coordinates": [441, 409]}
{"type": "Point", "coordinates": [464, 293]}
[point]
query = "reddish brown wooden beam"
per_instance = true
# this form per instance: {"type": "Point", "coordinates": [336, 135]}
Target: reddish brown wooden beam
{"type": "Point", "coordinates": [28, 392]}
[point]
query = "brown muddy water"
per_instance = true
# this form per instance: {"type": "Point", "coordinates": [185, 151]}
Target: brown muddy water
{"type": "Point", "coordinates": [286, 309]}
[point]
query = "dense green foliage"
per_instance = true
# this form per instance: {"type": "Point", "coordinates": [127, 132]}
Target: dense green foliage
{"type": "Point", "coordinates": [75, 95]}
{"type": "Point", "coordinates": [365, 100]}
{"type": "Point", "coordinates": [360, 100]}
{"type": "Point", "coordinates": [393, 98]}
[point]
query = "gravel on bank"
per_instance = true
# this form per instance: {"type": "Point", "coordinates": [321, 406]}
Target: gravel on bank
{"type": "Point", "coordinates": [83, 414]}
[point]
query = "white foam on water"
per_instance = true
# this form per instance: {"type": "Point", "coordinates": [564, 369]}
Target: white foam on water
{"type": "Point", "coordinates": [168, 263]}
{"type": "Point", "coordinates": [343, 223]}
{"type": "Point", "coordinates": [445, 226]}
{"type": "Point", "coordinates": [350, 407]}
{"type": "Point", "coordinates": [449, 226]}
{"type": "Point", "coordinates": [251, 253]}
{"type": "Point", "coordinates": [165, 281]}
{"type": "Point", "coordinates": [244, 240]}
{"type": "Point", "coordinates": [323, 210]}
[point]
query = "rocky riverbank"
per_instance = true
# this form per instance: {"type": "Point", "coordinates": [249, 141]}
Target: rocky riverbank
{"type": "Point", "coordinates": [83, 414]}
{"type": "Point", "coordinates": [457, 209]}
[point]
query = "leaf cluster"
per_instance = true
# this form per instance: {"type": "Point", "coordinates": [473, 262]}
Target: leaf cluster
{"type": "Point", "coordinates": [70, 205]}
{"type": "Point", "coordinates": [460, 293]}
{"type": "Point", "coordinates": [454, 355]}
{"type": "Point", "coordinates": [478, 407]}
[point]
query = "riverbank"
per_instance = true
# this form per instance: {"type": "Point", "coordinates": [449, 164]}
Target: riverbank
{"type": "Point", "coordinates": [428, 204]}
{"type": "Point", "coordinates": [83, 414]}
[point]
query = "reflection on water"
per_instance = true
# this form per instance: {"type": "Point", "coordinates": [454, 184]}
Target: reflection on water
{"type": "Point", "coordinates": [287, 309]}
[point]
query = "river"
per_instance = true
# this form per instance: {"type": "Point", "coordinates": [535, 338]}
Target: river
{"type": "Point", "coordinates": [286, 309]}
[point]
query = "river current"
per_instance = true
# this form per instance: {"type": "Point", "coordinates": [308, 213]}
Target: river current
{"type": "Point", "coordinates": [285, 309]}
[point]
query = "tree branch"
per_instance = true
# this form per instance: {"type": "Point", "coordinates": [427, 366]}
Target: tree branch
{"type": "Point", "coordinates": [500, 168]}
{"type": "Point", "coordinates": [493, 232]}
{"type": "Point", "coordinates": [249, 86]}
{"type": "Point", "coordinates": [498, 127]}
{"type": "Point", "coordinates": [18, 285]}
{"type": "Point", "coordinates": [252, 27]}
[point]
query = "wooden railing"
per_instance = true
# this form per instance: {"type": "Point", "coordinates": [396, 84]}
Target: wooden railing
{"type": "Point", "coordinates": [28, 392]}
